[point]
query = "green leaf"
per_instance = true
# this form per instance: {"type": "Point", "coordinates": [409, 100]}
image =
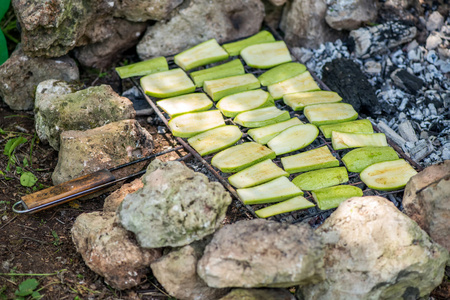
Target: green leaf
{"type": "Point", "coordinates": [3, 48]}
{"type": "Point", "coordinates": [25, 162]}
{"type": "Point", "coordinates": [12, 144]}
{"type": "Point", "coordinates": [2, 131]}
{"type": "Point", "coordinates": [27, 287]}
{"type": "Point", "coordinates": [19, 170]}
{"type": "Point", "coordinates": [28, 179]}
{"type": "Point", "coordinates": [4, 5]}
{"type": "Point", "coordinates": [36, 295]}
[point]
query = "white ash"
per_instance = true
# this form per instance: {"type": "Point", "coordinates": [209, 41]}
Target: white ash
{"type": "Point", "coordinates": [428, 110]}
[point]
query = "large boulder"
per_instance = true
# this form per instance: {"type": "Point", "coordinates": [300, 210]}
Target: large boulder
{"type": "Point", "coordinates": [176, 206]}
{"type": "Point", "coordinates": [20, 75]}
{"type": "Point", "coordinates": [84, 152]}
{"type": "Point", "coordinates": [427, 201]}
{"type": "Point", "coordinates": [122, 35]}
{"type": "Point", "coordinates": [110, 251]}
{"type": "Point", "coordinates": [349, 15]}
{"type": "Point", "coordinates": [373, 251]}
{"type": "Point", "coordinates": [144, 10]}
{"type": "Point", "coordinates": [112, 202]}
{"type": "Point", "coordinates": [303, 23]}
{"type": "Point", "coordinates": [258, 294]}
{"type": "Point", "coordinates": [199, 20]}
{"type": "Point", "coordinates": [177, 273]}
{"type": "Point", "coordinates": [81, 110]}
{"type": "Point", "coordinates": [260, 253]}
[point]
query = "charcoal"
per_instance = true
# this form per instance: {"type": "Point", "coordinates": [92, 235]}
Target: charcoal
{"type": "Point", "coordinates": [406, 131]}
{"type": "Point", "coordinates": [346, 78]}
{"type": "Point", "coordinates": [407, 81]}
{"type": "Point", "coordinates": [391, 134]}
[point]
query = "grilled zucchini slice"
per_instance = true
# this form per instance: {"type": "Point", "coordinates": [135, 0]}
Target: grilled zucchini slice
{"type": "Point", "coordinates": [267, 55]}
{"type": "Point", "coordinates": [204, 53]}
{"type": "Point", "coordinates": [273, 191]}
{"type": "Point", "coordinates": [185, 104]}
{"type": "Point", "coordinates": [358, 126]}
{"type": "Point", "coordinates": [388, 175]}
{"type": "Point", "coordinates": [264, 134]}
{"type": "Point", "coordinates": [234, 104]}
{"type": "Point", "coordinates": [342, 140]}
{"type": "Point", "coordinates": [319, 179]}
{"type": "Point", "coordinates": [294, 138]}
{"type": "Point", "coordinates": [219, 88]}
{"type": "Point", "coordinates": [257, 174]}
{"type": "Point", "coordinates": [310, 160]}
{"type": "Point", "coordinates": [146, 67]}
{"type": "Point", "coordinates": [296, 203]}
{"type": "Point", "coordinates": [261, 117]}
{"type": "Point", "coordinates": [301, 83]}
{"type": "Point", "coordinates": [261, 37]}
{"type": "Point", "coordinates": [281, 72]}
{"type": "Point", "coordinates": [232, 68]}
{"type": "Point", "coordinates": [190, 124]}
{"type": "Point", "coordinates": [330, 113]}
{"type": "Point", "coordinates": [331, 197]}
{"type": "Point", "coordinates": [167, 84]}
{"type": "Point", "coordinates": [298, 101]}
{"type": "Point", "coordinates": [215, 139]}
{"type": "Point", "coordinates": [359, 159]}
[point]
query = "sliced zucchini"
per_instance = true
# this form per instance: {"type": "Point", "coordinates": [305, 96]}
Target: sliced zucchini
{"type": "Point", "coordinates": [331, 197]}
{"type": "Point", "coordinates": [185, 104]}
{"type": "Point", "coordinates": [257, 174]}
{"type": "Point", "coordinates": [298, 101]}
{"type": "Point", "coordinates": [388, 175]}
{"type": "Point", "coordinates": [239, 157]}
{"type": "Point", "coordinates": [267, 55]}
{"type": "Point", "coordinates": [296, 203]}
{"type": "Point", "coordinates": [261, 37]}
{"type": "Point", "coordinates": [190, 124]}
{"type": "Point", "coordinates": [342, 140]}
{"type": "Point", "coordinates": [219, 88]}
{"type": "Point", "coordinates": [264, 134]}
{"type": "Point", "coordinates": [359, 159]}
{"type": "Point", "coordinates": [146, 67]}
{"type": "Point", "coordinates": [281, 72]}
{"type": "Point", "coordinates": [204, 53]}
{"type": "Point", "coordinates": [215, 139]}
{"type": "Point", "coordinates": [262, 117]}
{"type": "Point", "coordinates": [167, 84]}
{"type": "Point", "coordinates": [232, 68]}
{"type": "Point", "coordinates": [293, 138]}
{"type": "Point", "coordinates": [273, 191]}
{"type": "Point", "coordinates": [301, 83]}
{"type": "Point", "coordinates": [330, 113]}
{"type": "Point", "coordinates": [319, 179]}
{"type": "Point", "coordinates": [358, 126]}
{"type": "Point", "coordinates": [234, 104]}
{"type": "Point", "coordinates": [310, 160]}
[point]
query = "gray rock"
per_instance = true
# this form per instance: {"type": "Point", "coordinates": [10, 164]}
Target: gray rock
{"type": "Point", "coordinates": [349, 15]}
{"type": "Point", "coordinates": [258, 294]}
{"type": "Point", "coordinates": [113, 201]}
{"type": "Point", "coordinates": [110, 251]}
{"type": "Point", "coordinates": [20, 75]}
{"type": "Point", "coordinates": [407, 81]}
{"type": "Point", "coordinates": [273, 13]}
{"type": "Point", "coordinates": [144, 10]}
{"type": "Point", "coordinates": [177, 273]}
{"type": "Point", "coordinates": [86, 109]}
{"type": "Point", "coordinates": [122, 35]}
{"type": "Point", "coordinates": [84, 152]}
{"type": "Point", "coordinates": [176, 206]}
{"type": "Point", "coordinates": [427, 201]}
{"type": "Point", "coordinates": [373, 251]}
{"type": "Point", "coordinates": [199, 20]}
{"type": "Point", "coordinates": [277, 2]}
{"type": "Point", "coordinates": [303, 23]}
{"type": "Point", "coordinates": [435, 21]}
{"type": "Point", "coordinates": [433, 41]}
{"type": "Point", "coordinates": [260, 253]}
{"type": "Point", "coordinates": [377, 39]}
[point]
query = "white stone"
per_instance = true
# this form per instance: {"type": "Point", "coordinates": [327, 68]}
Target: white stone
{"type": "Point", "coordinates": [433, 41]}
{"type": "Point", "coordinates": [435, 21]}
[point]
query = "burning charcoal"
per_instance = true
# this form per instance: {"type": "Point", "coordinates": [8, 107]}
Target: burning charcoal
{"type": "Point", "coordinates": [407, 81]}
{"type": "Point", "coordinates": [406, 131]}
{"type": "Point", "coordinates": [346, 78]}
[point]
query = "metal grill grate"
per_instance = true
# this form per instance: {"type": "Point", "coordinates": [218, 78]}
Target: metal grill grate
{"type": "Point", "coordinates": [314, 215]}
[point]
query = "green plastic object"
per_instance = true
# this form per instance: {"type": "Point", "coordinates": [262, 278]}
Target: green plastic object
{"type": "Point", "coordinates": [261, 37]}
{"type": "Point", "coordinates": [257, 174]}
{"type": "Point", "coordinates": [190, 124]}
{"type": "Point", "coordinates": [183, 104]}
{"type": "Point", "coordinates": [318, 179]}
{"type": "Point", "coordinates": [273, 191]}
{"type": "Point", "coordinates": [204, 53]}
{"type": "Point", "coordinates": [231, 68]}
{"type": "Point", "coordinates": [264, 134]}
{"type": "Point", "coordinates": [267, 55]}
{"type": "Point", "coordinates": [239, 157]}
{"type": "Point", "coordinates": [293, 204]}
{"type": "Point", "coordinates": [331, 197]}
{"type": "Point", "coordinates": [342, 140]}
{"type": "Point", "coordinates": [281, 72]}
{"type": "Point", "coordinates": [234, 104]}
{"type": "Point", "coordinates": [388, 175]}
{"type": "Point", "coordinates": [301, 83]}
{"type": "Point", "coordinates": [359, 159]}
{"type": "Point", "coordinates": [309, 160]}
{"type": "Point", "coordinates": [357, 126]}
{"type": "Point", "coordinates": [261, 117]}
{"type": "Point", "coordinates": [330, 113]}
{"type": "Point", "coordinates": [219, 88]}
{"type": "Point", "coordinates": [146, 67]}
{"type": "Point", "coordinates": [167, 84]}
{"type": "Point", "coordinates": [298, 101]}
{"type": "Point", "coordinates": [215, 140]}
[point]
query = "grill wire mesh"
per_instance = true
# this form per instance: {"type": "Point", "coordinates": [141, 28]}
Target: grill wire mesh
{"type": "Point", "coordinates": [314, 216]}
